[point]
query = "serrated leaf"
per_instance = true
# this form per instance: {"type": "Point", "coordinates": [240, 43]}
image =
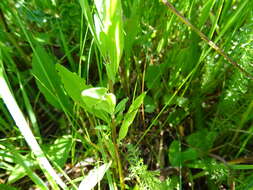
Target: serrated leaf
{"type": "Point", "coordinates": [94, 176]}
{"type": "Point", "coordinates": [130, 115]}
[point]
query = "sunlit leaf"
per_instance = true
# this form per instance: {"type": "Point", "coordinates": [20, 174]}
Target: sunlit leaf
{"type": "Point", "coordinates": [109, 32]}
{"type": "Point", "coordinates": [94, 176]}
{"type": "Point", "coordinates": [99, 99]}
{"type": "Point", "coordinates": [121, 106]}
{"type": "Point", "coordinates": [59, 151]}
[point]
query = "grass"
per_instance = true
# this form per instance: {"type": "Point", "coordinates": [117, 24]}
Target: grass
{"type": "Point", "coordinates": [126, 94]}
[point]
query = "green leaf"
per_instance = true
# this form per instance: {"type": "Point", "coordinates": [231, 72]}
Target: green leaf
{"type": "Point", "coordinates": [7, 187]}
{"type": "Point", "coordinates": [24, 166]}
{"type": "Point", "coordinates": [154, 75]}
{"type": "Point", "coordinates": [94, 176]}
{"type": "Point", "coordinates": [48, 81]}
{"type": "Point", "coordinates": [99, 99]}
{"type": "Point", "coordinates": [130, 115]}
{"type": "Point", "coordinates": [149, 104]}
{"type": "Point", "coordinates": [109, 31]}
{"type": "Point", "coordinates": [73, 84]}
{"type": "Point", "coordinates": [132, 26]}
{"type": "Point", "coordinates": [205, 11]}
{"type": "Point", "coordinates": [177, 157]}
{"type": "Point", "coordinates": [88, 16]}
{"type": "Point", "coordinates": [59, 151]}
{"type": "Point", "coordinates": [197, 141]}
{"type": "Point", "coordinates": [121, 106]}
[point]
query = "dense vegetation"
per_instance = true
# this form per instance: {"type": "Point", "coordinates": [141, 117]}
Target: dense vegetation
{"type": "Point", "coordinates": [130, 94]}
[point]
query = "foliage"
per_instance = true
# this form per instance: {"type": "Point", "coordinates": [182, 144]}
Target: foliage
{"type": "Point", "coordinates": [125, 93]}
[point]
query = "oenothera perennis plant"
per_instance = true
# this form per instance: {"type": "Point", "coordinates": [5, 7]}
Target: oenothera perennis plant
{"type": "Point", "coordinates": [102, 104]}
{"type": "Point", "coordinates": [98, 101]}
{"type": "Point", "coordinates": [106, 26]}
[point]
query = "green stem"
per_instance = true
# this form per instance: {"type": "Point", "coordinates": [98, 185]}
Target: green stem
{"type": "Point", "coordinates": [117, 156]}
{"type": "Point", "coordinates": [116, 148]}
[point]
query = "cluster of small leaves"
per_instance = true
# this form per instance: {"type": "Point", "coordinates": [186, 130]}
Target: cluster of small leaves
{"type": "Point", "coordinates": [146, 179]}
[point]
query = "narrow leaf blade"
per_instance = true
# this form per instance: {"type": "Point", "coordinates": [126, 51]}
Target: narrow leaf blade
{"type": "Point", "coordinates": [130, 115]}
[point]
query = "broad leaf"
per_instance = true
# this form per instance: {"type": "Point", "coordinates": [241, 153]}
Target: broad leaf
{"type": "Point", "coordinates": [109, 31]}
{"type": "Point", "coordinates": [99, 99]}
{"type": "Point", "coordinates": [59, 151]}
{"type": "Point", "coordinates": [130, 115]}
{"type": "Point", "coordinates": [8, 187]}
{"type": "Point", "coordinates": [177, 157]}
{"type": "Point", "coordinates": [48, 81]}
{"type": "Point", "coordinates": [73, 84]}
{"type": "Point", "coordinates": [197, 141]}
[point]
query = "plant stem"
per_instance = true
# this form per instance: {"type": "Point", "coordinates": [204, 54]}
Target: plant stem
{"type": "Point", "coordinates": [116, 148]}
{"type": "Point", "coordinates": [117, 156]}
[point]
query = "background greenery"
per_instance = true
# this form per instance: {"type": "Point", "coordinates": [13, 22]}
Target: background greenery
{"type": "Point", "coordinates": [128, 90]}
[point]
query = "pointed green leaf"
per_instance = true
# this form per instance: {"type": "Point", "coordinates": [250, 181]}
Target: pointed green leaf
{"type": "Point", "coordinates": [121, 106]}
{"type": "Point", "coordinates": [130, 115]}
{"type": "Point", "coordinates": [73, 84]}
{"type": "Point", "coordinates": [177, 157]}
{"type": "Point", "coordinates": [47, 79]}
{"type": "Point", "coordinates": [109, 31]}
